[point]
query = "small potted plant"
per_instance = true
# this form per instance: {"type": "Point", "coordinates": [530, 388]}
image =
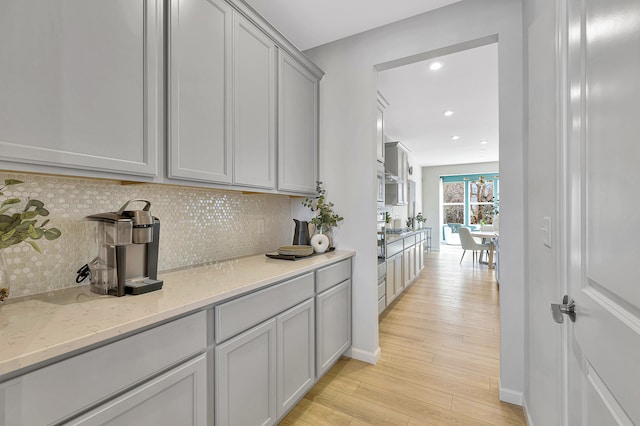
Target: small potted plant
{"type": "Point", "coordinates": [420, 220]}
{"type": "Point", "coordinates": [19, 225]}
{"type": "Point", "coordinates": [325, 218]}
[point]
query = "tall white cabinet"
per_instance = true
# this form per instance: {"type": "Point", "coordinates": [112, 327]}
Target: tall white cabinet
{"type": "Point", "coordinates": [80, 85]}
{"type": "Point", "coordinates": [200, 92]}
{"type": "Point", "coordinates": [298, 126]}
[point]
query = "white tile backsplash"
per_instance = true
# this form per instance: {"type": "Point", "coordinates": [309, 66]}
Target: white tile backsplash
{"type": "Point", "coordinates": [197, 225]}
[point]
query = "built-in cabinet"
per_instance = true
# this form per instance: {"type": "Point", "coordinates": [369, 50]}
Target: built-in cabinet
{"type": "Point", "coordinates": [405, 260]}
{"type": "Point", "coordinates": [245, 361]}
{"type": "Point", "coordinates": [396, 165]}
{"type": "Point", "coordinates": [242, 102]}
{"type": "Point", "coordinates": [81, 86]}
{"type": "Point", "coordinates": [298, 126]}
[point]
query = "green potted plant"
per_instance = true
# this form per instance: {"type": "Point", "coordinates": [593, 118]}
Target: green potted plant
{"type": "Point", "coordinates": [19, 225]}
{"type": "Point", "coordinates": [420, 220]}
{"type": "Point", "coordinates": [325, 218]}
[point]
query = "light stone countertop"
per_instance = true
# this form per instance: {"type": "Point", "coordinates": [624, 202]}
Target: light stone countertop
{"type": "Point", "coordinates": [43, 327]}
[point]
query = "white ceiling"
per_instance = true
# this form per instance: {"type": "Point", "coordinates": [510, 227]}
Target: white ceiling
{"type": "Point", "coordinates": [467, 84]}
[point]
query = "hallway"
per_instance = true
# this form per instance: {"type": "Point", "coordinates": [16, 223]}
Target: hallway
{"type": "Point", "coordinates": [440, 358]}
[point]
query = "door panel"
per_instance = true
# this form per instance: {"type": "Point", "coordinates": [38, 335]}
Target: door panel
{"type": "Point", "coordinates": [602, 150]}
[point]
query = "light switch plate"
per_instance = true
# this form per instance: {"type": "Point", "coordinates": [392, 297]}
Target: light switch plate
{"type": "Point", "coordinates": [546, 231]}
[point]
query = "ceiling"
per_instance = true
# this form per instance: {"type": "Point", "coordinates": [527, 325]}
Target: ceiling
{"type": "Point", "coordinates": [466, 84]}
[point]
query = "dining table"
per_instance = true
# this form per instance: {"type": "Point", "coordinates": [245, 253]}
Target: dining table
{"type": "Point", "coordinates": [490, 236]}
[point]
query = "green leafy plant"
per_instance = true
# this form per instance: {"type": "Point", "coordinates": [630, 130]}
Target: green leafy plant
{"type": "Point", "coordinates": [19, 226]}
{"type": "Point", "coordinates": [420, 218]}
{"type": "Point", "coordinates": [325, 217]}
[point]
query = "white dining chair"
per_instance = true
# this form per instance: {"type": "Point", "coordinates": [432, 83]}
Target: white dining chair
{"type": "Point", "coordinates": [469, 243]}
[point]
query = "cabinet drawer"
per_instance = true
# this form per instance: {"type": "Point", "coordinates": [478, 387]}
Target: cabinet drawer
{"type": "Point", "coordinates": [240, 314]}
{"type": "Point", "coordinates": [409, 241]}
{"type": "Point", "coordinates": [332, 275]}
{"type": "Point", "coordinates": [382, 303]}
{"type": "Point", "coordinates": [381, 288]}
{"type": "Point", "coordinates": [394, 248]}
{"type": "Point", "coordinates": [53, 393]}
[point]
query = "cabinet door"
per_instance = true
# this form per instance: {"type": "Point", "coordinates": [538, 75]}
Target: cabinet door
{"type": "Point", "coordinates": [254, 94]}
{"type": "Point", "coordinates": [199, 92]}
{"type": "Point", "coordinates": [245, 378]}
{"type": "Point", "coordinates": [333, 325]}
{"type": "Point", "coordinates": [296, 354]}
{"type": "Point", "coordinates": [175, 398]}
{"type": "Point", "coordinates": [391, 280]}
{"type": "Point", "coordinates": [398, 266]}
{"type": "Point", "coordinates": [80, 84]}
{"type": "Point", "coordinates": [407, 266]}
{"type": "Point", "coordinates": [298, 127]}
{"type": "Point", "coordinates": [380, 131]}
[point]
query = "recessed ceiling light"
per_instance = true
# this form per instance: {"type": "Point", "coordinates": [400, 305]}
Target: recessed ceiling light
{"type": "Point", "coordinates": [448, 113]}
{"type": "Point", "coordinates": [484, 142]}
{"type": "Point", "coordinates": [455, 138]}
{"type": "Point", "coordinates": [435, 65]}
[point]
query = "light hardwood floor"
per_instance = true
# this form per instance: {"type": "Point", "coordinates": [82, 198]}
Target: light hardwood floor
{"type": "Point", "coordinates": [440, 358]}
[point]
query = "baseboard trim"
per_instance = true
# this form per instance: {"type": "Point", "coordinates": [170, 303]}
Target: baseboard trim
{"type": "Point", "coordinates": [366, 356]}
{"type": "Point", "coordinates": [510, 396]}
{"type": "Point", "coordinates": [527, 417]}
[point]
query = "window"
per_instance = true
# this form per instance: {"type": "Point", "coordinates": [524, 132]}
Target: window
{"type": "Point", "coordinates": [470, 199]}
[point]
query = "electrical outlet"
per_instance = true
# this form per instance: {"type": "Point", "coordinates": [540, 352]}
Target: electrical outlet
{"type": "Point", "coordinates": [260, 226]}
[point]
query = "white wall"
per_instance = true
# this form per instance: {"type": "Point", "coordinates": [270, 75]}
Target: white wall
{"type": "Point", "coordinates": [347, 157]}
{"type": "Point", "coordinates": [543, 386]}
{"type": "Point", "coordinates": [431, 192]}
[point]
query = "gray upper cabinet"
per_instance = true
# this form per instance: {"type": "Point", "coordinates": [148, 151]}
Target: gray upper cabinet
{"type": "Point", "coordinates": [254, 95]}
{"type": "Point", "coordinates": [200, 75]}
{"type": "Point", "coordinates": [381, 105]}
{"type": "Point", "coordinates": [298, 127]}
{"type": "Point", "coordinates": [80, 85]}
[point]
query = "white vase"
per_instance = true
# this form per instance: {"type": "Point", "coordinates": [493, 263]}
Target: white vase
{"type": "Point", "coordinates": [320, 243]}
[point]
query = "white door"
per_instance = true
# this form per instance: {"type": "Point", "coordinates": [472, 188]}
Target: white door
{"type": "Point", "coordinates": [601, 207]}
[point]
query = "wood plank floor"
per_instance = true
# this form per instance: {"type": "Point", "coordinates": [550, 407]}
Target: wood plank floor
{"type": "Point", "coordinates": [440, 358]}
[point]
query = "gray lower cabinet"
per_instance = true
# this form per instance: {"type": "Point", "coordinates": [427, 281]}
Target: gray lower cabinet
{"type": "Point", "coordinates": [333, 325]}
{"type": "Point", "coordinates": [394, 277]}
{"type": "Point", "coordinates": [296, 354]}
{"type": "Point", "coordinates": [178, 397]}
{"type": "Point", "coordinates": [81, 86]}
{"type": "Point", "coordinates": [297, 126]}
{"type": "Point", "coordinates": [262, 373]}
{"type": "Point", "coordinates": [245, 378]}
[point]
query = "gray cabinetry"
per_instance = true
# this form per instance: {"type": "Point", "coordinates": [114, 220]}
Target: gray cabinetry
{"type": "Point", "coordinates": [297, 126]}
{"type": "Point", "coordinates": [381, 105]}
{"type": "Point", "coordinates": [245, 378]}
{"type": "Point", "coordinates": [396, 163]}
{"type": "Point", "coordinates": [333, 325]}
{"type": "Point", "coordinates": [296, 354]}
{"type": "Point", "coordinates": [254, 112]}
{"type": "Point", "coordinates": [80, 86]}
{"type": "Point", "coordinates": [199, 94]}
{"type": "Point", "coordinates": [63, 390]}
{"type": "Point", "coordinates": [178, 397]}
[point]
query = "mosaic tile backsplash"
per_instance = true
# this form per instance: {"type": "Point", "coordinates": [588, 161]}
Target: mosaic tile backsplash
{"type": "Point", "coordinates": [196, 226]}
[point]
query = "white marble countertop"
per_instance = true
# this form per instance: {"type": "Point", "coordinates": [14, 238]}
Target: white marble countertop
{"type": "Point", "coordinates": [39, 328]}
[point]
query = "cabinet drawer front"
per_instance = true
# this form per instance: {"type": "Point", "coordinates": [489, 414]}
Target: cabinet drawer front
{"type": "Point", "coordinates": [409, 241]}
{"type": "Point", "coordinates": [394, 248]}
{"type": "Point", "coordinates": [332, 275]}
{"type": "Point", "coordinates": [381, 288]}
{"type": "Point", "coordinates": [238, 315]}
{"type": "Point", "coordinates": [53, 393]}
{"type": "Point", "coordinates": [382, 303]}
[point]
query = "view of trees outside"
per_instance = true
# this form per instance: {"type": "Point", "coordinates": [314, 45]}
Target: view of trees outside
{"type": "Point", "coordinates": [453, 202]}
{"type": "Point", "coordinates": [481, 202]}
{"type": "Point", "coordinates": [481, 199]}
